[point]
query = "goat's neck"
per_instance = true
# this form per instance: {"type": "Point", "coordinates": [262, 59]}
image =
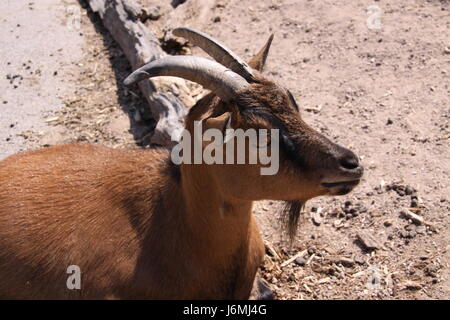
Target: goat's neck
{"type": "Point", "coordinates": [214, 219]}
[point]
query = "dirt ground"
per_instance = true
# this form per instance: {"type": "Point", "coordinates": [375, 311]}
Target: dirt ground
{"type": "Point", "coordinates": [39, 54]}
{"type": "Point", "coordinates": [384, 93]}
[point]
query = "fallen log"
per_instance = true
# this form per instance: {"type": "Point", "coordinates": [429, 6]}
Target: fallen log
{"type": "Point", "coordinates": [140, 46]}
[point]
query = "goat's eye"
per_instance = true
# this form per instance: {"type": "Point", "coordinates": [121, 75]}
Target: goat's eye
{"type": "Point", "coordinates": [263, 141]}
{"type": "Point", "coordinates": [288, 143]}
{"type": "Point", "coordinates": [294, 103]}
{"type": "Point", "coordinates": [293, 152]}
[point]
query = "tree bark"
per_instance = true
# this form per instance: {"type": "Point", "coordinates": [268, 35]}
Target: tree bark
{"type": "Point", "coordinates": [140, 46]}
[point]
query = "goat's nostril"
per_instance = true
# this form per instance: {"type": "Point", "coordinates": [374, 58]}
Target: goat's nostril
{"type": "Point", "coordinates": [349, 162]}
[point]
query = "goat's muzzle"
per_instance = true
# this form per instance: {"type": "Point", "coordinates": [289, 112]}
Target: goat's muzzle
{"type": "Point", "coordinates": [347, 174]}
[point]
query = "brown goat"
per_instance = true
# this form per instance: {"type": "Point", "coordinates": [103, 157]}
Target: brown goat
{"type": "Point", "coordinates": [139, 226]}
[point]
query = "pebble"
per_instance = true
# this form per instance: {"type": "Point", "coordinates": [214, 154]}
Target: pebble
{"type": "Point", "coordinates": [337, 223]}
{"type": "Point", "coordinates": [388, 223]}
{"type": "Point", "coordinates": [312, 250]}
{"type": "Point", "coordinates": [153, 13]}
{"type": "Point", "coordinates": [362, 208]}
{"type": "Point", "coordinates": [401, 190]}
{"type": "Point", "coordinates": [360, 259]}
{"type": "Point", "coordinates": [220, 4]}
{"type": "Point", "coordinates": [368, 240]}
{"type": "Point", "coordinates": [376, 214]}
{"type": "Point", "coordinates": [409, 190]}
{"type": "Point", "coordinates": [301, 261]}
{"type": "Point", "coordinates": [315, 109]}
{"type": "Point", "coordinates": [421, 229]}
{"type": "Point", "coordinates": [346, 262]}
{"type": "Point", "coordinates": [176, 3]}
{"type": "Point", "coordinates": [316, 218]}
{"type": "Point", "coordinates": [408, 234]}
{"type": "Point", "coordinates": [353, 210]}
{"type": "Point", "coordinates": [411, 285]}
{"type": "Point", "coordinates": [432, 270]}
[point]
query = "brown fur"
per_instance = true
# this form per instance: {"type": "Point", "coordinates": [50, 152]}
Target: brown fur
{"type": "Point", "coordinates": [123, 217]}
{"type": "Point", "coordinates": [139, 226]}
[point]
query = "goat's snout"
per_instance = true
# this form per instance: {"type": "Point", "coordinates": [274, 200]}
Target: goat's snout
{"type": "Point", "coordinates": [348, 160]}
{"type": "Point", "coordinates": [347, 173]}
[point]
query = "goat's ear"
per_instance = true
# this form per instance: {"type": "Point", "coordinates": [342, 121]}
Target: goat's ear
{"type": "Point", "coordinates": [259, 60]}
{"type": "Point", "coordinates": [221, 122]}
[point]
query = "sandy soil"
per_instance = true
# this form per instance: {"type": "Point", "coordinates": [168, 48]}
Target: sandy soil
{"type": "Point", "coordinates": [383, 93]}
{"type": "Point", "coordinates": [40, 48]}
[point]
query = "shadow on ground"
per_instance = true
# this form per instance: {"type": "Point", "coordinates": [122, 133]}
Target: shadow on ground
{"type": "Point", "coordinates": [130, 101]}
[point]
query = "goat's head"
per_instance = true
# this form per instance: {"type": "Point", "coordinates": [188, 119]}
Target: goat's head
{"type": "Point", "coordinates": [310, 165]}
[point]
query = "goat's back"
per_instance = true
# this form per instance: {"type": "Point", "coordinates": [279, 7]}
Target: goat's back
{"type": "Point", "coordinates": [70, 205]}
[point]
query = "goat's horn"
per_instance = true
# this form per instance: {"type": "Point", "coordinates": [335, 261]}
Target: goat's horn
{"type": "Point", "coordinates": [224, 82]}
{"type": "Point", "coordinates": [216, 50]}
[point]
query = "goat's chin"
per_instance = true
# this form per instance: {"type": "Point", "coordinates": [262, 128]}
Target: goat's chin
{"type": "Point", "coordinates": [341, 190]}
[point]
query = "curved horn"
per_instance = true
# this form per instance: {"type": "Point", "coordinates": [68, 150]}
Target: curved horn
{"type": "Point", "coordinates": [216, 50]}
{"type": "Point", "coordinates": [224, 82]}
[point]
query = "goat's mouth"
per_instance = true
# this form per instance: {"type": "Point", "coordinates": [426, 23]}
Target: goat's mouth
{"type": "Point", "coordinates": [339, 188]}
{"type": "Point", "coordinates": [340, 183]}
{"type": "Point", "coordinates": [344, 182]}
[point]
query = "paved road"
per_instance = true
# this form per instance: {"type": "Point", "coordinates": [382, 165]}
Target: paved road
{"type": "Point", "coordinates": [40, 47]}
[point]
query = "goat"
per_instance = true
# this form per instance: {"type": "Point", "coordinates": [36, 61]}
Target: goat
{"type": "Point", "coordinates": [139, 226]}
